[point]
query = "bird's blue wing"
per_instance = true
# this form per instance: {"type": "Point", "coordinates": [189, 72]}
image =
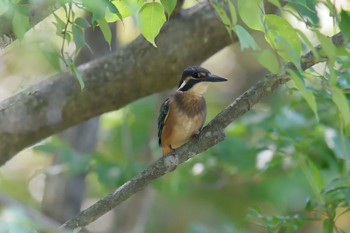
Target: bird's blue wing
{"type": "Point", "coordinates": [163, 113]}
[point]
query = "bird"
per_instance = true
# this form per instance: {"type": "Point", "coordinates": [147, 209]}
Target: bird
{"type": "Point", "coordinates": [182, 115]}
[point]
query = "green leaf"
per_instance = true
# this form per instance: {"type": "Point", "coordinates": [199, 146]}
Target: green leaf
{"type": "Point", "coordinates": [97, 8]}
{"type": "Point", "coordinates": [125, 7]}
{"type": "Point", "coordinates": [344, 23]}
{"type": "Point", "coordinates": [328, 226]}
{"type": "Point", "coordinates": [316, 175]}
{"type": "Point", "coordinates": [251, 13]}
{"type": "Point", "coordinates": [150, 21]}
{"type": "Point", "coordinates": [106, 31]}
{"type": "Point", "coordinates": [77, 74]}
{"type": "Point", "coordinates": [169, 5]}
{"type": "Point", "coordinates": [20, 24]}
{"type": "Point", "coordinates": [82, 22]}
{"type": "Point", "coordinates": [306, 10]}
{"type": "Point", "coordinates": [112, 8]}
{"type": "Point", "coordinates": [311, 101]}
{"type": "Point", "coordinates": [308, 43]}
{"type": "Point", "coordinates": [298, 80]}
{"type": "Point", "coordinates": [228, 20]}
{"type": "Point", "coordinates": [232, 13]}
{"type": "Point", "coordinates": [222, 14]}
{"type": "Point", "coordinates": [78, 36]}
{"type": "Point", "coordinates": [53, 57]}
{"type": "Point", "coordinates": [268, 59]}
{"type": "Point", "coordinates": [219, 8]}
{"type": "Point", "coordinates": [283, 37]}
{"type": "Point", "coordinates": [328, 48]}
{"type": "Point", "coordinates": [60, 25]}
{"type": "Point", "coordinates": [340, 100]}
{"type": "Point", "coordinates": [68, 37]}
{"type": "Point", "coordinates": [275, 2]}
{"type": "Point", "coordinates": [245, 39]}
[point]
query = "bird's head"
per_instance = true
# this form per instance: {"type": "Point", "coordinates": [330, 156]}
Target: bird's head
{"type": "Point", "coordinates": [196, 79]}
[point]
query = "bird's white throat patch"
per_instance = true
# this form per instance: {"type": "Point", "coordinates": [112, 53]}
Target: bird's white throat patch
{"type": "Point", "coordinates": [199, 88]}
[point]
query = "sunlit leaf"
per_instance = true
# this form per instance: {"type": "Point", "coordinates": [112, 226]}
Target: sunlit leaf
{"type": "Point", "coordinates": [245, 39]}
{"type": "Point", "coordinates": [60, 25]}
{"type": "Point", "coordinates": [251, 13]}
{"type": "Point", "coordinates": [268, 59]}
{"type": "Point", "coordinates": [125, 7]}
{"type": "Point", "coordinates": [150, 21]}
{"type": "Point", "coordinates": [112, 8]}
{"type": "Point", "coordinates": [342, 103]}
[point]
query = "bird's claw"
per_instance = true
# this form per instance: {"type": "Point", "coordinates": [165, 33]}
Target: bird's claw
{"type": "Point", "coordinates": [171, 161]}
{"type": "Point", "coordinates": [197, 133]}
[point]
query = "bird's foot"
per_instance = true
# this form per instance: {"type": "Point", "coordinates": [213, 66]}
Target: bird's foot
{"type": "Point", "coordinates": [171, 161]}
{"type": "Point", "coordinates": [197, 133]}
{"type": "Point", "coordinates": [172, 151]}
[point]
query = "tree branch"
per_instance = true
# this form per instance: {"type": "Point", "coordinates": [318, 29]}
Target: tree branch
{"type": "Point", "coordinates": [211, 134]}
{"type": "Point", "coordinates": [132, 72]}
{"type": "Point", "coordinates": [38, 11]}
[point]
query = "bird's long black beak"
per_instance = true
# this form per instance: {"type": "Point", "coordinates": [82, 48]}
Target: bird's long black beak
{"type": "Point", "coordinates": [213, 78]}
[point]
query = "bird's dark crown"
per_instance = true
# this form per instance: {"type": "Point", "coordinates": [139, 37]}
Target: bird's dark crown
{"type": "Point", "coordinates": [196, 74]}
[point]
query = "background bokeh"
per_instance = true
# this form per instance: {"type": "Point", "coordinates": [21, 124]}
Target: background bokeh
{"type": "Point", "coordinates": [271, 167]}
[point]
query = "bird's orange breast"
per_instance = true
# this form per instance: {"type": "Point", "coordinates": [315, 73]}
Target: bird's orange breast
{"type": "Point", "coordinates": [186, 117]}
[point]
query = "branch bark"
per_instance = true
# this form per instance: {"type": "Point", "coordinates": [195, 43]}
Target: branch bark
{"type": "Point", "coordinates": [211, 134]}
{"type": "Point", "coordinates": [38, 11]}
{"type": "Point", "coordinates": [132, 72]}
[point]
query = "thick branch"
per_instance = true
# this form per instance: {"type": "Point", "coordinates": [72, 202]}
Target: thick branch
{"type": "Point", "coordinates": [211, 134]}
{"type": "Point", "coordinates": [131, 73]}
{"type": "Point", "coordinates": [38, 11]}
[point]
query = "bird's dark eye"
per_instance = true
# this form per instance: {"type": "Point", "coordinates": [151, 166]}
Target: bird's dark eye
{"type": "Point", "coordinates": [195, 75]}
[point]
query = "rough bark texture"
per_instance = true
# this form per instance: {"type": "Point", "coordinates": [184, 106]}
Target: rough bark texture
{"type": "Point", "coordinates": [111, 82]}
{"type": "Point", "coordinates": [211, 134]}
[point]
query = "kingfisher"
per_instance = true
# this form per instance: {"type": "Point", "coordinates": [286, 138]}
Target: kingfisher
{"type": "Point", "coordinates": [182, 115]}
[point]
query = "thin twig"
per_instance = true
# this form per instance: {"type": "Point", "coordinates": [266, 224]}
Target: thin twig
{"type": "Point", "coordinates": [65, 33]}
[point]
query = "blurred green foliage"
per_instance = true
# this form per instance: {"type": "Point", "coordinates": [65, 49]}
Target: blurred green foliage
{"type": "Point", "coordinates": [284, 166]}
